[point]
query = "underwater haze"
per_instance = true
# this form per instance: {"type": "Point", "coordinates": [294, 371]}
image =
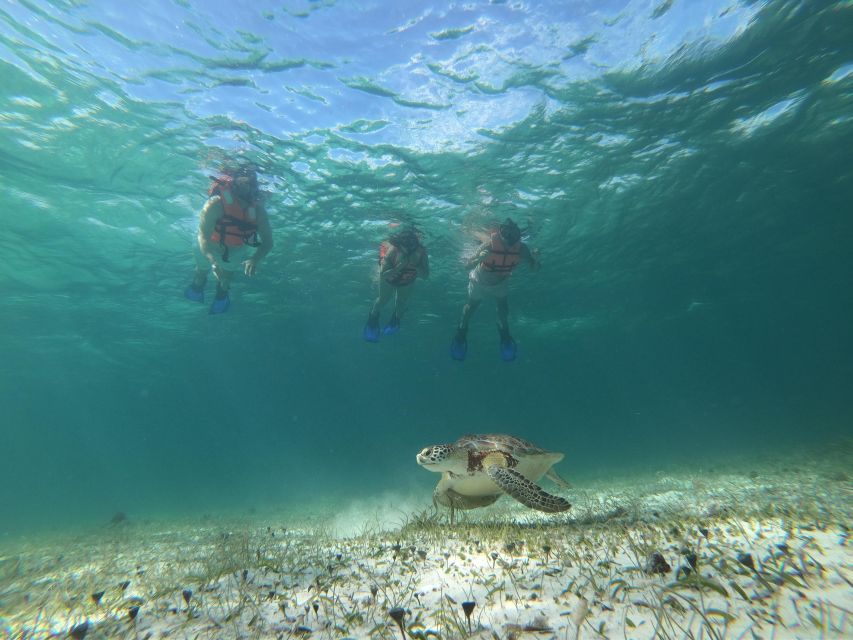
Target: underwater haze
{"type": "Point", "coordinates": [684, 168]}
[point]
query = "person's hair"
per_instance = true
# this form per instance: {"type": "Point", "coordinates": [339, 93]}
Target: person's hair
{"type": "Point", "coordinates": [406, 238]}
{"type": "Point", "coordinates": [246, 172]}
{"type": "Point", "coordinates": [509, 231]}
{"type": "Point", "coordinates": [242, 170]}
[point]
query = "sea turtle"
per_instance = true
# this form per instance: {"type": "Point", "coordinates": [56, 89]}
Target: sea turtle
{"type": "Point", "coordinates": [478, 469]}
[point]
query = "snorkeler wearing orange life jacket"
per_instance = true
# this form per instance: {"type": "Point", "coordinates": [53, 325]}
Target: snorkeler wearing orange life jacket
{"type": "Point", "coordinates": [232, 221]}
{"type": "Point", "coordinates": [238, 226]}
{"type": "Point", "coordinates": [492, 265]}
{"type": "Point", "coordinates": [501, 257]}
{"type": "Point", "coordinates": [402, 259]}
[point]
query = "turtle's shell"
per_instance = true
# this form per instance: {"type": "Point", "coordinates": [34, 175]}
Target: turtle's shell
{"type": "Point", "coordinates": [496, 449]}
{"type": "Point", "coordinates": [516, 447]}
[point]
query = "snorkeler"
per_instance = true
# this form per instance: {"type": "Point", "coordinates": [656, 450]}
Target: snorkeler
{"type": "Point", "coordinates": [492, 265]}
{"type": "Point", "coordinates": [402, 259]}
{"type": "Point", "coordinates": [232, 220]}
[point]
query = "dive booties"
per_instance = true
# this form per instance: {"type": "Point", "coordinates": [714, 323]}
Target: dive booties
{"type": "Point", "coordinates": [393, 326]}
{"type": "Point", "coordinates": [196, 294]}
{"type": "Point", "coordinates": [371, 329]}
{"type": "Point", "coordinates": [508, 347]}
{"type": "Point", "coordinates": [459, 345]}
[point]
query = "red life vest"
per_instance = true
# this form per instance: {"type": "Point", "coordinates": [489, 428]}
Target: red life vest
{"type": "Point", "coordinates": [238, 226]}
{"type": "Point", "coordinates": [502, 258]}
{"type": "Point", "coordinates": [409, 273]}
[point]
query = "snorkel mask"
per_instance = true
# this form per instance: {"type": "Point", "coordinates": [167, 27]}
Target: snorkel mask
{"type": "Point", "coordinates": [246, 185]}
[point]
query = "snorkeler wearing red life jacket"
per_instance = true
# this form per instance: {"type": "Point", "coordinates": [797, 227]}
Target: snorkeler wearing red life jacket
{"type": "Point", "coordinates": [402, 259]}
{"type": "Point", "coordinates": [492, 265]}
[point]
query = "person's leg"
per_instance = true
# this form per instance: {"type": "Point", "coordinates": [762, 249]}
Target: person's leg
{"type": "Point", "coordinates": [222, 302]}
{"type": "Point", "coordinates": [459, 344]}
{"type": "Point", "coordinates": [386, 290]}
{"type": "Point", "coordinates": [401, 297]}
{"type": "Point", "coordinates": [224, 274]}
{"type": "Point", "coordinates": [508, 346]}
{"type": "Point", "coordinates": [502, 305]}
{"type": "Point", "coordinates": [401, 300]}
{"type": "Point", "coordinates": [200, 278]}
{"type": "Point", "coordinates": [475, 297]}
{"type": "Point", "coordinates": [467, 311]}
{"type": "Point", "coordinates": [195, 291]}
{"type": "Point", "coordinates": [371, 328]}
{"type": "Point", "coordinates": [223, 283]}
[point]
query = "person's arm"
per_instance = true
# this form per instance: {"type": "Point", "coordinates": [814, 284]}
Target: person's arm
{"type": "Point", "coordinates": [530, 257]}
{"type": "Point", "coordinates": [478, 257]}
{"type": "Point", "coordinates": [391, 264]}
{"type": "Point", "coordinates": [250, 266]}
{"type": "Point", "coordinates": [210, 213]}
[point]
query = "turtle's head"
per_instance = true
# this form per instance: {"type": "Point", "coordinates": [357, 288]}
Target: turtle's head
{"type": "Point", "coordinates": [439, 457]}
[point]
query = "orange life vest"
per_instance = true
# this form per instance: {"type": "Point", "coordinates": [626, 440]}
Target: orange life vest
{"type": "Point", "coordinates": [501, 258]}
{"type": "Point", "coordinates": [409, 273]}
{"type": "Point", "coordinates": [238, 226]}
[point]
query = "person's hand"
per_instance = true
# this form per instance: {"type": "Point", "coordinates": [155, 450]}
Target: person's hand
{"type": "Point", "coordinates": [214, 264]}
{"type": "Point", "coordinates": [250, 266]}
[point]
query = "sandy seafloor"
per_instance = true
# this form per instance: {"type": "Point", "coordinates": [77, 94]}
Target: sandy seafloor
{"type": "Point", "coordinates": [756, 551]}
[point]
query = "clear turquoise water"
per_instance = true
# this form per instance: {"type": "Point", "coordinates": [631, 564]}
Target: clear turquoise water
{"type": "Point", "coordinates": [684, 168]}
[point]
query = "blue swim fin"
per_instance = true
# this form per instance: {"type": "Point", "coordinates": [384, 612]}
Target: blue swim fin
{"type": "Point", "coordinates": [220, 305]}
{"type": "Point", "coordinates": [392, 327]}
{"type": "Point", "coordinates": [371, 329]}
{"type": "Point", "coordinates": [508, 347]}
{"type": "Point", "coordinates": [196, 294]}
{"type": "Point", "coordinates": [508, 350]}
{"type": "Point", "coordinates": [459, 346]}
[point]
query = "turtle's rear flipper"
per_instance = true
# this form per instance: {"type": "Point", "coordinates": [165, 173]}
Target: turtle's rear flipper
{"type": "Point", "coordinates": [527, 493]}
{"type": "Point", "coordinates": [555, 477]}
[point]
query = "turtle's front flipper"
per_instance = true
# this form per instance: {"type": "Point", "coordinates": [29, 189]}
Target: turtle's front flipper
{"type": "Point", "coordinates": [527, 493]}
